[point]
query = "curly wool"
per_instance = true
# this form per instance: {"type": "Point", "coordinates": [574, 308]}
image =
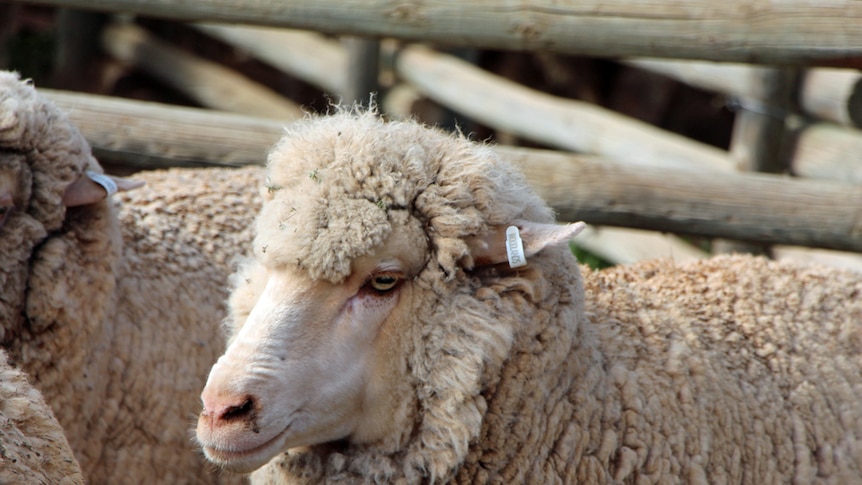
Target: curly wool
{"type": "Point", "coordinates": [113, 308]}
{"type": "Point", "coordinates": [328, 205]}
{"type": "Point", "coordinates": [26, 123]}
{"type": "Point", "coordinates": [756, 370]}
{"type": "Point", "coordinates": [733, 370]}
{"type": "Point", "coordinates": [33, 448]}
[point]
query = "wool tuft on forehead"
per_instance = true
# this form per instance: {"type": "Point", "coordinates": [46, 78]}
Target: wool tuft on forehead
{"type": "Point", "coordinates": [337, 185]}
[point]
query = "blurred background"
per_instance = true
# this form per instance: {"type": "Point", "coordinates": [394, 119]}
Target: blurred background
{"type": "Point", "coordinates": [676, 129]}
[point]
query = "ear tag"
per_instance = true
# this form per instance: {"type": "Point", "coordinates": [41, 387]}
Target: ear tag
{"type": "Point", "coordinates": [106, 182]}
{"type": "Point", "coordinates": [515, 248]}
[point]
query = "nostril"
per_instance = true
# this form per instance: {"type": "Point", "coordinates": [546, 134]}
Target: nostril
{"type": "Point", "coordinates": [240, 411]}
{"type": "Point", "coordinates": [227, 410]}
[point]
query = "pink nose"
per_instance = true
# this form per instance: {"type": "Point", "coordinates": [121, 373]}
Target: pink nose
{"type": "Point", "coordinates": [221, 410]}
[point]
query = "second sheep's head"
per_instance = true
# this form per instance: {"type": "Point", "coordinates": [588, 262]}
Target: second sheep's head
{"type": "Point", "coordinates": [371, 245]}
{"type": "Point", "coordinates": [47, 197]}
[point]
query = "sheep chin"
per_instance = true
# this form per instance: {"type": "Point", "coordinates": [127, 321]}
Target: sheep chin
{"type": "Point", "coordinates": [247, 460]}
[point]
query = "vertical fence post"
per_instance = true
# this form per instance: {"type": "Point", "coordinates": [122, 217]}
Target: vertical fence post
{"type": "Point", "coordinates": [78, 34]}
{"type": "Point", "coordinates": [7, 18]}
{"type": "Point", "coordinates": [363, 67]}
{"type": "Point", "coordinates": [759, 139]}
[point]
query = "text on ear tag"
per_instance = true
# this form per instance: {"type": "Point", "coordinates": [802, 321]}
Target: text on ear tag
{"type": "Point", "coordinates": [515, 248]}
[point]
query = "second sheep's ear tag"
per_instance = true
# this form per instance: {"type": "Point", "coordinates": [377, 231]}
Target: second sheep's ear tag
{"type": "Point", "coordinates": [93, 187]}
{"type": "Point", "coordinates": [516, 243]}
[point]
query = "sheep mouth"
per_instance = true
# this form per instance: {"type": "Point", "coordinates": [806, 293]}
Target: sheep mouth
{"type": "Point", "coordinates": [248, 459]}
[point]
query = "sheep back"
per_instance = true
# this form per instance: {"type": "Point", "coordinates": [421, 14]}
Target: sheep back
{"type": "Point", "coordinates": [182, 234]}
{"type": "Point", "coordinates": [730, 370]}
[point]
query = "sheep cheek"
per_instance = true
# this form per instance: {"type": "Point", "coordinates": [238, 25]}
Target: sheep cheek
{"type": "Point", "coordinates": [295, 373]}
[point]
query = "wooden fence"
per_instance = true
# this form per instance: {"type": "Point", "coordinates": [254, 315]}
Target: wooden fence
{"type": "Point", "coordinates": [627, 173]}
{"type": "Point", "coordinates": [792, 31]}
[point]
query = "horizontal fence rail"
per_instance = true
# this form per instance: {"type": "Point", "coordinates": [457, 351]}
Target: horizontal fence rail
{"type": "Point", "coordinates": [787, 32]}
{"type": "Point", "coordinates": [753, 207]}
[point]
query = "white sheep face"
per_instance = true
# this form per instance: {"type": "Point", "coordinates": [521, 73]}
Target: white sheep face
{"type": "Point", "coordinates": [312, 362]}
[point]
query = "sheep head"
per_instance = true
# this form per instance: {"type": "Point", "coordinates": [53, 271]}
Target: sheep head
{"type": "Point", "coordinates": [43, 161]}
{"type": "Point", "coordinates": [359, 308]}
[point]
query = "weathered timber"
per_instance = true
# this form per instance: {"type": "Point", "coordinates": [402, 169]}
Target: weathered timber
{"type": "Point", "coordinates": [621, 245]}
{"type": "Point", "coordinates": [363, 69]}
{"type": "Point", "coordinates": [554, 121]}
{"type": "Point", "coordinates": [732, 79]}
{"type": "Point", "coordinates": [759, 134]}
{"type": "Point", "coordinates": [321, 60]}
{"type": "Point", "coordinates": [309, 56]}
{"type": "Point", "coordinates": [153, 135]}
{"type": "Point", "coordinates": [759, 127]}
{"type": "Point", "coordinates": [206, 82]}
{"type": "Point", "coordinates": [834, 95]}
{"type": "Point", "coordinates": [829, 152]}
{"type": "Point", "coordinates": [831, 94]}
{"type": "Point", "coordinates": [756, 207]}
{"type": "Point", "coordinates": [792, 31]}
{"type": "Point", "coordinates": [822, 151]}
{"type": "Point", "coordinates": [760, 208]}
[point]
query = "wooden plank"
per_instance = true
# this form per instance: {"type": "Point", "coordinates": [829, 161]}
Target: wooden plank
{"type": "Point", "coordinates": [758, 207]}
{"type": "Point", "coordinates": [363, 69]}
{"type": "Point", "coordinates": [210, 84]}
{"type": "Point", "coordinates": [758, 135]}
{"type": "Point", "coordinates": [791, 31]}
{"type": "Point", "coordinates": [758, 131]}
{"type": "Point", "coordinates": [8, 14]}
{"type": "Point", "coordinates": [831, 94]}
{"type": "Point", "coordinates": [309, 56]}
{"type": "Point", "coordinates": [554, 121]}
{"type": "Point", "coordinates": [829, 152]}
{"type": "Point", "coordinates": [77, 47]}
{"type": "Point", "coordinates": [153, 135]}
{"type": "Point", "coordinates": [624, 246]}
{"type": "Point", "coordinates": [732, 79]}
{"type": "Point", "coordinates": [834, 95]}
{"type": "Point", "coordinates": [822, 151]}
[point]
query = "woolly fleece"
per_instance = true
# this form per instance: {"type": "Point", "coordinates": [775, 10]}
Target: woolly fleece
{"type": "Point", "coordinates": [33, 448]}
{"type": "Point", "coordinates": [113, 308]}
{"type": "Point", "coordinates": [733, 370]}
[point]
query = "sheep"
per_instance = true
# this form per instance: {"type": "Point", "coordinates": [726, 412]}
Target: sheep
{"type": "Point", "coordinates": [33, 448]}
{"type": "Point", "coordinates": [111, 305]}
{"type": "Point", "coordinates": [377, 334]}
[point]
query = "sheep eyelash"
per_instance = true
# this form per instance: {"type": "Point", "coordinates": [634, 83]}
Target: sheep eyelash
{"type": "Point", "coordinates": [369, 283]}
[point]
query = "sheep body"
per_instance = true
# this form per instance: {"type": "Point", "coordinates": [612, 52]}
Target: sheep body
{"type": "Point", "coordinates": [33, 447]}
{"type": "Point", "coordinates": [113, 308]}
{"type": "Point", "coordinates": [733, 370]}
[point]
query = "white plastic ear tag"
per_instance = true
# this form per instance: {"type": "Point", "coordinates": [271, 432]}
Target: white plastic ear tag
{"type": "Point", "coordinates": [106, 182]}
{"type": "Point", "coordinates": [515, 248]}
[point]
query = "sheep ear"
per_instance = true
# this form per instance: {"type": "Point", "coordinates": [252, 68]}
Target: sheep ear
{"type": "Point", "coordinates": [516, 243]}
{"type": "Point", "coordinates": [93, 187]}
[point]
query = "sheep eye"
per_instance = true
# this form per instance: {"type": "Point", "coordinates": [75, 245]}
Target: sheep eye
{"type": "Point", "coordinates": [383, 282]}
